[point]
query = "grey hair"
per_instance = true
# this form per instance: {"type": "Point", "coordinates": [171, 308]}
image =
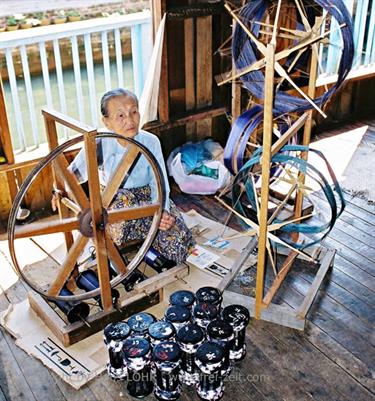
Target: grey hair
{"type": "Point", "coordinates": [114, 93]}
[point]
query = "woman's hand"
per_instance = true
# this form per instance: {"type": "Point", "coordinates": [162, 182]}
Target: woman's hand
{"type": "Point", "coordinates": [167, 221]}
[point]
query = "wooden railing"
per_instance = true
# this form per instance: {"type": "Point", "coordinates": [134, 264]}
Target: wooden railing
{"type": "Point", "coordinates": [363, 12]}
{"type": "Point", "coordinates": [54, 44]}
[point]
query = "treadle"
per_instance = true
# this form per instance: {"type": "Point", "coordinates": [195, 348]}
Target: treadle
{"type": "Point", "coordinates": [145, 294]}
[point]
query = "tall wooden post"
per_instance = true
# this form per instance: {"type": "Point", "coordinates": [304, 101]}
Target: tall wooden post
{"type": "Point", "coordinates": [159, 8]}
{"type": "Point", "coordinates": [265, 164]}
{"type": "Point", "coordinates": [307, 129]}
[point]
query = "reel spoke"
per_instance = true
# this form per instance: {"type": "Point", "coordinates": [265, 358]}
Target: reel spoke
{"type": "Point", "coordinates": [114, 256]}
{"type": "Point", "coordinates": [61, 165]}
{"type": "Point", "coordinates": [68, 266]}
{"type": "Point", "coordinates": [120, 175]}
{"type": "Point", "coordinates": [47, 227]}
{"type": "Point", "coordinates": [133, 213]}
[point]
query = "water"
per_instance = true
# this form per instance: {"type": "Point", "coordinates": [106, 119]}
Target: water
{"type": "Point", "coordinates": [70, 96]}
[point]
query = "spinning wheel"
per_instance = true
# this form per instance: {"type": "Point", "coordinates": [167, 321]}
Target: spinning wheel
{"type": "Point", "coordinates": [83, 220]}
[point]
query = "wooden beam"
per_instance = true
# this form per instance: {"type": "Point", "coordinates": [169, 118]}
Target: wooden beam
{"type": "Point", "coordinates": [190, 95]}
{"type": "Point", "coordinates": [326, 263]}
{"type": "Point", "coordinates": [5, 138]}
{"type": "Point", "coordinates": [48, 227]}
{"type": "Point", "coordinates": [51, 130]}
{"type": "Point", "coordinates": [120, 173]}
{"type": "Point", "coordinates": [290, 132]}
{"type": "Point", "coordinates": [204, 72]}
{"type": "Point", "coordinates": [98, 220]}
{"type": "Point", "coordinates": [68, 266]}
{"type": "Point", "coordinates": [237, 265]}
{"type": "Point", "coordinates": [193, 117]}
{"type": "Point", "coordinates": [265, 163]}
{"type": "Point", "coordinates": [66, 121]}
{"type": "Point", "coordinates": [159, 8]}
{"type": "Point", "coordinates": [137, 212]}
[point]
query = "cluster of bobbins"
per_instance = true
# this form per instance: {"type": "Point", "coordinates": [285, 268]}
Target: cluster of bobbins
{"type": "Point", "coordinates": [195, 344]}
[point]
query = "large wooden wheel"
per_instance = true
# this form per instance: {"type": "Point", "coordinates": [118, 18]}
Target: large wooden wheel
{"type": "Point", "coordinates": [83, 220]}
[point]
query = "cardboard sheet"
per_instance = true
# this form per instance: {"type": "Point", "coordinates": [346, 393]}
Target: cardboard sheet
{"type": "Point", "coordinates": [81, 362]}
{"type": "Point", "coordinates": [76, 365]}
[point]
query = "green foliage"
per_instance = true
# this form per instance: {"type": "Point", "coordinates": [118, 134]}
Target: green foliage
{"type": "Point", "coordinates": [73, 13]}
{"type": "Point", "coordinates": [11, 21]}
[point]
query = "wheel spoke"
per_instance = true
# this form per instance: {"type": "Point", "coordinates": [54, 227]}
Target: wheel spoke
{"type": "Point", "coordinates": [61, 168]}
{"type": "Point", "coordinates": [138, 212]}
{"type": "Point", "coordinates": [120, 175]}
{"type": "Point", "coordinates": [68, 265]}
{"type": "Point", "coordinates": [47, 227]}
{"type": "Point", "coordinates": [115, 255]}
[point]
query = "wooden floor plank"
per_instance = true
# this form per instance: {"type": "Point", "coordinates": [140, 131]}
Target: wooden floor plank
{"type": "Point", "coordinates": [333, 319]}
{"type": "Point", "coordinates": [353, 271]}
{"type": "Point", "coordinates": [2, 395]}
{"type": "Point", "coordinates": [318, 374]}
{"type": "Point", "coordinates": [36, 374]}
{"type": "Point", "coordinates": [347, 253]}
{"type": "Point", "coordinates": [335, 309]}
{"type": "Point", "coordinates": [354, 287]}
{"type": "Point", "coordinates": [275, 383]}
{"type": "Point", "coordinates": [359, 205]}
{"type": "Point", "coordinates": [356, 246]}
{"type": "Point", "coordinates": [71, 394]}
{"type": "Point", "coordinates": [12, 382]}
{"type": "Point", "coordinates": [342, 357]}
{"type": "Point", "coordinates": [353, 303]}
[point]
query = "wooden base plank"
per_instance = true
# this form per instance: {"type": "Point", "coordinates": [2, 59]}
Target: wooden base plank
{"type": "Point", "coordinates": [278, 314]}
{"type": "Point", "coordinates": [326, 263]}
{"type": "Point", "coordinates": [145, 294]}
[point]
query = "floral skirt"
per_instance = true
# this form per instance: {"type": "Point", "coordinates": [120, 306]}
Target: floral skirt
{"type": "Point", "coordinates": [174, 244]}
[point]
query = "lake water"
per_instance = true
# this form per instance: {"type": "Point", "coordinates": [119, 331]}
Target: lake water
{"type": "Point", "coordinates": [70, 95]}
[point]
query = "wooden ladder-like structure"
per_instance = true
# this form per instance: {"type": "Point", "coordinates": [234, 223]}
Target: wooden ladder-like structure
{"type": "Point", "coordinates": [261, 307]}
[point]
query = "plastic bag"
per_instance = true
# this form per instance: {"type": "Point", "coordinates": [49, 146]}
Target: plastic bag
{"type": "Point", "coordinates": [192, 173]}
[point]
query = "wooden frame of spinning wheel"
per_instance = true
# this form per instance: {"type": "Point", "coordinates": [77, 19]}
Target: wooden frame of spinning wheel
{"type": "Point", "coordinates": [145, 293]}
{"type": "Point", "coordinates": [261, 306]}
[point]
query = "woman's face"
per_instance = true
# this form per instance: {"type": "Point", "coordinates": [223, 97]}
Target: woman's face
{"type": "Point", "coordinates": [123, 116]}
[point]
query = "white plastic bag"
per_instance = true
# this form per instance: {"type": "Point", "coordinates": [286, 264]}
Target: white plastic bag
{"type": "Point", "coordinates": [198, 184]}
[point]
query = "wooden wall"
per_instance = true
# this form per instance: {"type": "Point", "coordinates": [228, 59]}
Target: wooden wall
{"type": "Point", "coordinates": [192, 107]}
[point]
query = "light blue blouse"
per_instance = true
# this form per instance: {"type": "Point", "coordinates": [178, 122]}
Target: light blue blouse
{"type": "Point", "coordinates": [110, 153]}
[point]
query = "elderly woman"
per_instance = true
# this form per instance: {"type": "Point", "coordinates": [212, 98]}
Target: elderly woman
{"type": "Point", "coordinates": [119, 108]}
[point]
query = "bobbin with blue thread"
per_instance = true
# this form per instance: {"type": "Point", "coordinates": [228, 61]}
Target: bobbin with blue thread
{"type": "Point", "coordinates": [167, 360]}
{"type": "Point", "coordinates": [210, 359]}
{"type": "Point", "coordinates": [178, 316]}
{"type": "Point", "coordinates": [238, 317]}
{"type": "Point", "coordinates": [209, 295]}
{"type": "Point", "coordinates": [88, 281]}
{"type": "Point", "coordinates": [137, 354]}
{"type": "Point", "coordinates": [75, 311]}
{"type": "Point", "coordinates": [182, 298]}
{"type": "Point", "coordinates": [140, 322]}
{"type": "Point", "coordinates": [189, 338]}
{"type": "Point", "coordinates": [204, 313]}
{"type": "Point", "coordinates": [222, 333]}
{"type": "Point", "coordinates": [161, 331]}
{"type": "Point", "coordinates": [114, 335]}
